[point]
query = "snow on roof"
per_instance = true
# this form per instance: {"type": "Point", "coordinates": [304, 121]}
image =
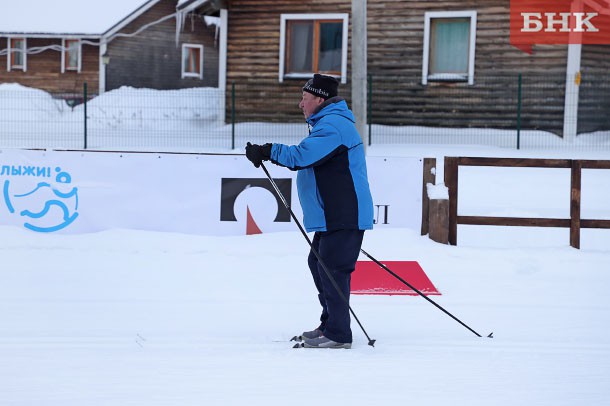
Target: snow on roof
{"type": "Point", "coordinates": [65, 16]}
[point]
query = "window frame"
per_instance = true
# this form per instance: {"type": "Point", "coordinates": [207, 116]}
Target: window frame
{"type": "Point", "coordinates": [342, 17]}
{"type": "Point", "coordinates": [185, 48]}
{"type": "Point", "coordinates": [430, 15]}
{"type": "Point", "coordinates": [9, 56]}
{"type": "Point", "coordinates": [64, 55]}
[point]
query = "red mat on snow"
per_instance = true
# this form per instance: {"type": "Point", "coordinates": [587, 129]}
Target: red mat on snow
{"type": "Point", "coordinates": [370, 279]}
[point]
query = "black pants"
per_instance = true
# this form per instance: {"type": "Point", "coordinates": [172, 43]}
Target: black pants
{"type": "Point", "coordinates": [339, 252]}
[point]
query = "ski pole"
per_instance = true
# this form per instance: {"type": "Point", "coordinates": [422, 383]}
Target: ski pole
{"type": "Point", "coordinates": [421, 294]}
{"type": "Point", "coordinates": [315, 252]}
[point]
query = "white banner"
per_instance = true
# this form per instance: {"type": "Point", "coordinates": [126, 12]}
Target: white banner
{"type": "Point", "coordinates": [87, 191]}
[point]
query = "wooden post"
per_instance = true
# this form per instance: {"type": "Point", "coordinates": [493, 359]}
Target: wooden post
{"type": "Point", "coordinates": [439, 220]}
{"type": "Point", "coordinates": [428, 177]}
{"type": "Point", "coordinates": [576, 177]}
{"type": "Point", "coordinates": [451, 181]}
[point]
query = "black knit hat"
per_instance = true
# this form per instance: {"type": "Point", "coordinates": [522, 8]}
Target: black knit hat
{"type": "Point", "coordinates": [322, 86]}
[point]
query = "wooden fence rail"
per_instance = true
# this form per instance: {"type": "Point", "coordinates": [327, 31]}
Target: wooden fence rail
{"type": "Point", "coordinates": [575, 223]}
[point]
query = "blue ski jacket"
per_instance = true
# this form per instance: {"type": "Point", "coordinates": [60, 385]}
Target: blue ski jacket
{"type": "Point", "coordinates": [332, 180]}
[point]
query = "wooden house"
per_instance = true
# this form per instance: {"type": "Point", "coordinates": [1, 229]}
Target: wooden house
{"type": "Point", "coordinates": [66, 63]}
{"type": "Point", "coordinates": [158, 44]}
{"type": "Point", "coordinates": [167, 45]}
{"type": "Point", "coordinates": [431, 63]}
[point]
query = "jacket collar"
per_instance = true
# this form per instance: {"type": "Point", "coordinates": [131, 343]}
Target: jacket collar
{"type": "Point", "coordinates": [311, 120]}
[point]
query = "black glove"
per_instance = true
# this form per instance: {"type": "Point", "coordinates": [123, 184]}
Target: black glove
{"type": "Point", "coordinates": [258, 153]}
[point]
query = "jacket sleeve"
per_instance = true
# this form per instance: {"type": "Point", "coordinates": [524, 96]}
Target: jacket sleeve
{"type": "Point", "coordinates": [323, 143]}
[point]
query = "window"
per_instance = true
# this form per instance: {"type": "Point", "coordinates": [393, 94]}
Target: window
{"type": "Point", "coordinates": [449, 42]}
{"type": "Point", "coordinates": [311, 43]}
{"type": "Point", "coordinates": [71, 56]}
{"type": "Point", "coordinates": [16, 56]}
{"type": "Point", "coordinates": [192, 61]}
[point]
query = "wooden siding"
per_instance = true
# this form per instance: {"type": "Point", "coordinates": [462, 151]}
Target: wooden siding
{"type": "Point", "coordinates": [395, 58]}
{"type": "Point", "coordinates": [395, 54]}
{"type": "Point", "coordinates": [153, 60]}
{"type": "Point", "coordinates": [253, 58]}
{"type": "Point", "coordinates": [44, 69]}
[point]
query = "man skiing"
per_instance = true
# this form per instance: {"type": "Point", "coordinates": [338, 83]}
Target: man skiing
{"type": "Point", "coordinates": [334, 193]}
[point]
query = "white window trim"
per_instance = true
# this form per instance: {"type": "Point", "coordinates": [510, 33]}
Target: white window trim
{"type": "Point", "coordinates": [10, 54]}
{"type": "Point", "coordinates": [188, 74]}
{"type": "Point", "coordinates": [64, 68]}
{"type": "Point", "coordinates": [337, 16]}
{"type": "Point", "coordinates": [472, 14]}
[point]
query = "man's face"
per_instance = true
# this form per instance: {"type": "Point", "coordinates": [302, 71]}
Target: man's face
{"type": "Point", "coordinates": [309, 103]}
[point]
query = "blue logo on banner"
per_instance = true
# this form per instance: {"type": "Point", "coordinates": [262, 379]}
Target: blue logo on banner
{"type": "Point", "coordinates": [48, 207]}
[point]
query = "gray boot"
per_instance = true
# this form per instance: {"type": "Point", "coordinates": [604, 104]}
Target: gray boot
{"type": "Point", "coordinates": [323, 342]}
{"type": "Point", "coordinates": [311, 334]}
{"type": "Point", "coordinates": [307, 335]}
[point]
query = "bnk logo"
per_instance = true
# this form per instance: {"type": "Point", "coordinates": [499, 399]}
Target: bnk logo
{"type": "Point", "coordinates": [48, 204]}
{"type": "Point", "coordinates": [554, 22]}
{"type": "Point", "coordinates": [559, 22]}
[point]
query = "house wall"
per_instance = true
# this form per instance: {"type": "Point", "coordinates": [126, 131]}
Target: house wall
{"type": "Point", "coordinates": [253, 58]}
{"type": "Point", "coordinates": [44, 69]}
{"type": "Point", "coordinates": [395, 47]}
{"type": "Point", "coordinates": [152, 59]}
{"type": "Point", "coordinates": [395, 58]}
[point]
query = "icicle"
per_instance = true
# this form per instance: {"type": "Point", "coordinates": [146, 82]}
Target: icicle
{"type": "Point", "coordinates": [179, 21]}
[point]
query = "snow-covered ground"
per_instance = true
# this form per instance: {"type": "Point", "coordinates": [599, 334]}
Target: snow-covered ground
{"type": "Point", "coordinates": [140, 318]}
{"type": "Point", "coordinates": [125, 317]}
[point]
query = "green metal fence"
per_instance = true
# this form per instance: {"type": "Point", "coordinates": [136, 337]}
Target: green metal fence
{"type": "Point", "coordinates": [509, 111]}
